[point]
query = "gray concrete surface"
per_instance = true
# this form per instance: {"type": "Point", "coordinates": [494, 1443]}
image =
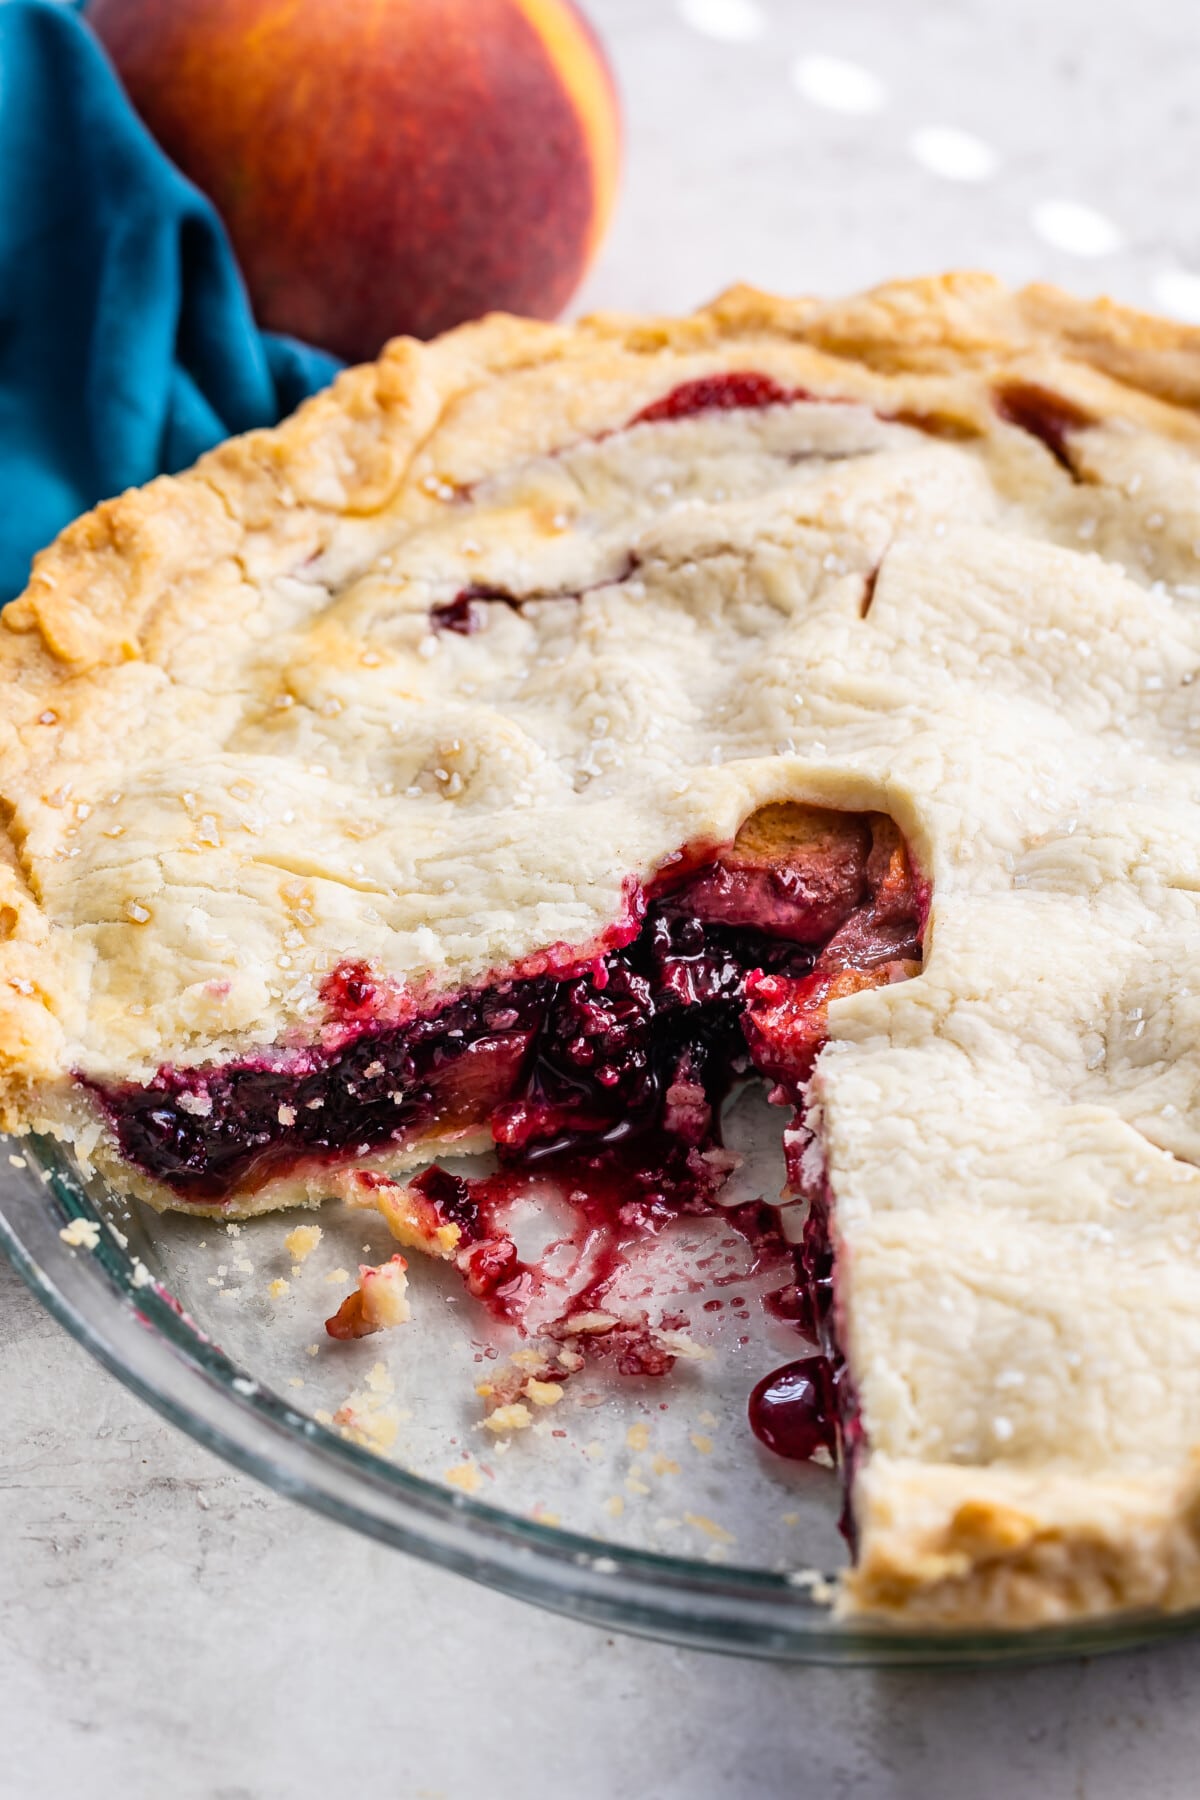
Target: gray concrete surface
{"type": "Point", "coordinates": [167, 1628]}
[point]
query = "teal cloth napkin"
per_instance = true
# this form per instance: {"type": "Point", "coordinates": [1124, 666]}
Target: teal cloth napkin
{"type": "Point", "coordinates": [127, 344]}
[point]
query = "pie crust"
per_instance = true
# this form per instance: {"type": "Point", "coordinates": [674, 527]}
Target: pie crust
{"type": "Point", "coordinates": [938, 560]}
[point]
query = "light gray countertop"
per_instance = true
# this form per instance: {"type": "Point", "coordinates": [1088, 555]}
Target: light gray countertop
{"type": "Point", "coordinates": [167, 1627]}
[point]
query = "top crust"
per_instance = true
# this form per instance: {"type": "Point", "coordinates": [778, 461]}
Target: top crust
{"type": "Point", "coordinates": [233, 751]}
{"type": "Point", "coordinates": [125, 593]}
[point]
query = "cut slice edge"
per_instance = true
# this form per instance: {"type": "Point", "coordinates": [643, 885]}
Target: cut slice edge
{"type": "Point", "coordinates": [620, 1063]}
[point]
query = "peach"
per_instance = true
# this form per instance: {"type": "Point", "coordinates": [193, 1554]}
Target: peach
{"type": "Point", "coordinates": [383, 166]}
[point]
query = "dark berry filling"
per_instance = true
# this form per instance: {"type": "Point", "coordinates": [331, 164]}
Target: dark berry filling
{"type": "Point", "coordinates": [811, 1405]}
{"type": "Point", "coordinates": [733, 966]}
{"type": "Point", "coordinates": [206, 1131]}
{"type": "Point", "coordinates": [616, 1196]}
{"type": "Point", "coordinates": [792, 1410]}
{"type": "Point", "coordinates": [719, 393]}
{"type": "Point", "coordinates": [1045, 415]}
{"type": "Point", "coordinates": [467, 612]}
{"type": "Point", "coordinates": [750, 389]}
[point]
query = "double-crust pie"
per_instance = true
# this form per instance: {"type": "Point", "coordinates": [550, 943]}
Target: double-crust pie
{"type": "Point", "coordinates": [547, 729]}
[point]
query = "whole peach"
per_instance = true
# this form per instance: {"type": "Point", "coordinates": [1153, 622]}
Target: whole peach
{"type": "Point", "coordinates": [383, 166]}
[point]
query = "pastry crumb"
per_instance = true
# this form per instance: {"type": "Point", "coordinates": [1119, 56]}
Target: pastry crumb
{"type": "Point", "coordinates": [638, 1436]}
{"type": "Point", "coordinates": [811, 1581]}
{"type": "Point", "coordinates": [514, 1417]}
{"type": "Point", "coordinates": [710, 1528]}
{"type": "Point", "coordinates": [371, 1429]}
{"type": "Point", "coordinates": [701, 1443]}
{"type": "Point", "coordinates": [533, 1375]}
{"type": "Point", "coordinates": [543, 1393]}
{"type": "Point", "coordinates": [301, 1241]}
{"type": "Point", "coordinates": [683, 1345]}
{"type": "Point", "coordinates": [367, 1416]}
{"type": "Point", "coordinates": [410, 1218]}
{"type": "Point", "coordinates": [379, 1302]}
{"type": "Point", "coordinates": [464, 1475]}
{"type": "Point", "coordinates": [278, 1288]}
{"type": "Point", "coordinates": [589, 1324]}
{"type": "Point", "coordinates": [81, 1234]}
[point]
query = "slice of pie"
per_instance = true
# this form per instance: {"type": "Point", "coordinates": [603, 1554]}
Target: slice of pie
{"type": "Point", "coordinates": [549, 729]}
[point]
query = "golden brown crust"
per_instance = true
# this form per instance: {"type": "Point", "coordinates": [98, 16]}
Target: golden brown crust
{"type": "Point", "coordinates": [124, 583]}
{"type": "Point", "coordinates": [102, 593]}
{"type": "Point", "coordinates": [1041, 1548]}
{"type": "Point", "coordinates": [93, 592]}
{"type": "Point", "coordinates": [347, 450]}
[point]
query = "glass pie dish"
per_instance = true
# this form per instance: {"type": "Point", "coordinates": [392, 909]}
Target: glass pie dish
{"type": "Point", "coordinates": [641, 1505]}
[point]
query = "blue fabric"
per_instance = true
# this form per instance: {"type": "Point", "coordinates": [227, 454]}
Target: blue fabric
{"type": "Point", "coordinates": [127, 345]}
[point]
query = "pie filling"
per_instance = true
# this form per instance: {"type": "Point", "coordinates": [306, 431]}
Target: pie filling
{"type": "Point", "coordinates": [606, 1076]}
{"type": "Point", "coordinates": [810, 1406]}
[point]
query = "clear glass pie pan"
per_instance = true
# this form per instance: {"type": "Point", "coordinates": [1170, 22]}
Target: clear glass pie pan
{"type": "Point", "coordinates": [667, 1520]}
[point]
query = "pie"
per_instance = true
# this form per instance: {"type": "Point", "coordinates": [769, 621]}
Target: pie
{"type": "Point", "coordinates": [548, 729]}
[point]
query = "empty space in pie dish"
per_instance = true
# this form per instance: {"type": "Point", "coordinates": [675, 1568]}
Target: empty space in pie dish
{"type": "Point", "coordinates": [663, 1464]}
